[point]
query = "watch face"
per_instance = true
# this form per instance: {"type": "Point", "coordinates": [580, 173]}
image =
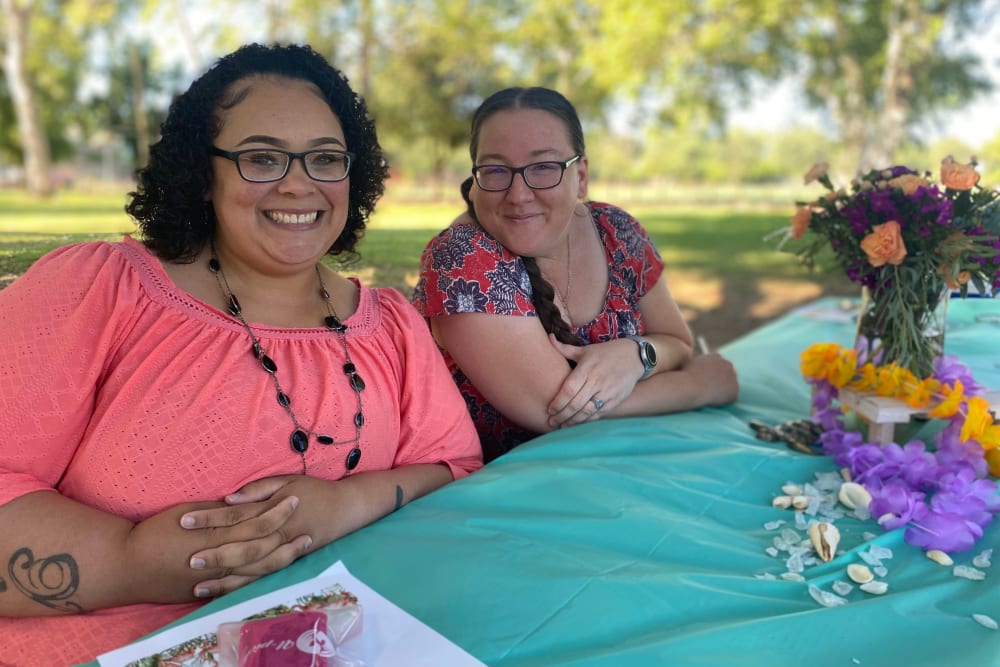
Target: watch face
{"type": "Point", "coordinates": [650, 353]}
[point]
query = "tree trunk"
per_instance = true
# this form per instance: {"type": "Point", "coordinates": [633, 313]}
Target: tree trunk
{"type": "Point", "coordinates": [34, 142]}
{"type": "Point", "coordinates": [139, 115]}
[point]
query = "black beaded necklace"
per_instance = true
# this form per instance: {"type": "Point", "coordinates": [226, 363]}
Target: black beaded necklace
{"type": "Point", "coordinates": [300, 435]}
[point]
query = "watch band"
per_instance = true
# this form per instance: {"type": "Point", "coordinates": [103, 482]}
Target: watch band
{"type": "Point", "coordinates": [647, 355]}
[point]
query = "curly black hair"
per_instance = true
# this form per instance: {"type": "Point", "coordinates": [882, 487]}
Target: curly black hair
{"type": "Point", "coordinates": [169, 205]}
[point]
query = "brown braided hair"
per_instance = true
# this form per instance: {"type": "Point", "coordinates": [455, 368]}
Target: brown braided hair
{"type": "Point", "coordinates": [542, 292]}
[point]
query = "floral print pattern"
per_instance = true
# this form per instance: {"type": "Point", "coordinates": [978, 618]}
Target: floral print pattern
{"type": "Point", "coordinates": [465, 270]}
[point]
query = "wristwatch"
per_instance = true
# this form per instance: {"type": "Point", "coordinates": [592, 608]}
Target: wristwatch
{"type": "Point", "coordinates": [647, 354]}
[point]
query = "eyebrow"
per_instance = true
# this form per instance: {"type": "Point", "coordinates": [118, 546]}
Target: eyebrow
{"type": "Point", "coordinates": [542, 152]}
{"type": "Point", "coordinates": [274, 141]}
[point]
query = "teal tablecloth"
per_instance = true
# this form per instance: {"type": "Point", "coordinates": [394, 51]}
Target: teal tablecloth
{"type": "Point", "coordinates": [636, 542]}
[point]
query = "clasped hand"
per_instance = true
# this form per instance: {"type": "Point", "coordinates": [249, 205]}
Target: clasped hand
{"type": "Point", "coordinates": [603, 371]}
{"type": "Point", "coordinates": [201, 550]}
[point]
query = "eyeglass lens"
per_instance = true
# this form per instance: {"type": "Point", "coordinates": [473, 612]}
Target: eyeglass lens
{"type": "Point", "coordinates": [538, 176]}
{"type": "Point", "coordinates": [270, 165]}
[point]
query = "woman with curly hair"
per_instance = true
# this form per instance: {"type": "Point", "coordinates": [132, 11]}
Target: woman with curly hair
{"type": "Point", "coordinates": [551, 309]}
{"type": "Point", "coordinates": [185, 413]}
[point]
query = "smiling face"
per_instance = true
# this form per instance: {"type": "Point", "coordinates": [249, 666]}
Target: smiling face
{"type": "Point", "coordinates": [288, 225]}
{"type": "Point", "coordinates": [526, 221]}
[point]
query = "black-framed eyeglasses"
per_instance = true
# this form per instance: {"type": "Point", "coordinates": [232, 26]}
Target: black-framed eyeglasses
{"type": "Point", "coordinates": [537, 175]}
{"type": "Point", "coordinates": [264, 165]}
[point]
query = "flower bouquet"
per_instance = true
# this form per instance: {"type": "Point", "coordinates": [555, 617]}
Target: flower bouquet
{"type": "Point", "coordinates": [909, 242]}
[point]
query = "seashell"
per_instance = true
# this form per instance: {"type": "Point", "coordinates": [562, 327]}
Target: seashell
{"type": "Point", "coordinates": [782, 502]}
{"type": "Point", "coordinates": [824, 537]}
{"type": "Point", "coordinates": [852, 495]}
{"type": "Point", "coordinates": [939, 557]}
{"type": "Point", "coordinates": [859, 574]}
{"type": "Point", "coordinates": [791, 489]}
{"type": "Point", "coordinates": [875, 587]}
{"type": "Point", "coordinates": [800, 502]}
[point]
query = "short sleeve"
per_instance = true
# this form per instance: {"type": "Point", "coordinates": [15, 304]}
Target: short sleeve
{"type": "Point", "coordinates": [434, 423]}
{"type": "Point", "coordinates": [61, 321]}
{"type": "Point", "coordinates": [465, 270]}
{"type": "Point", "coordinates": [632, 250]}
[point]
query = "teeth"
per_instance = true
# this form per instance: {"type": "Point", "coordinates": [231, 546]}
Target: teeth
{"type": "Point", "coordinates": [290, 219]}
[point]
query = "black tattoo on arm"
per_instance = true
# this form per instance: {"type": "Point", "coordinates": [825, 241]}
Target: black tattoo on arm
{"type": "Point", "coordinates": [50, 582]}
{"type": "Point", "coordinates": [399, 498]}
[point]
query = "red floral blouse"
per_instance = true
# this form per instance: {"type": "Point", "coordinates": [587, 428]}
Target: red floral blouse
{"type": "Point", "coordinates": [465, 270]}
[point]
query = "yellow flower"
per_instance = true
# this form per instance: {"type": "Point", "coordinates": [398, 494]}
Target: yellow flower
{"type": "Point", "coordinates": [920, 396]}
{"type": "Point", "coordinates": [867, 379]}
{"type": "Point", "coordinates": [890, 380]}
{"type": "Point", "coordinates": [948, 407]}
{"type": "Point", "coordinates": [817, 358]}
{"type": "Point", "coordinates": [977, 418]}
{"type": "Point", "coordinates": [990, 437]}
{"type": "Point", "coordinates": [908, 183]}
{"type": "Point", "coordinates": [844, 367]}
{"type": "Point", "coordinates": [993, 460]}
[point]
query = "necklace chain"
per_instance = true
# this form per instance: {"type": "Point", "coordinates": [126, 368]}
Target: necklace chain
{"type": "Point", "coordinates": [299, 438]}
{"type": "Point", "coordinates": [564, 296]}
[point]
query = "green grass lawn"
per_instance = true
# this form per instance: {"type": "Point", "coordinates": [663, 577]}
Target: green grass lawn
{"type": "Point", "coordinates": [718, 264]}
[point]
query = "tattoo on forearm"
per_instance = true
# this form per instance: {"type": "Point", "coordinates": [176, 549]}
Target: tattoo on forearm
{"type": "Point", "coordinates": [399, 498]}
{"type": "Point", "coordinates": [48, 581]}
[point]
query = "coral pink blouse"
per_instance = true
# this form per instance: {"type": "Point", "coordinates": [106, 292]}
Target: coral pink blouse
{"type": "Point", "coordinates": [127, 394]}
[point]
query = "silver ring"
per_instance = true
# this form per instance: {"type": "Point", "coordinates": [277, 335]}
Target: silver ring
{"type": "Point", "coordinates": [598, 403]}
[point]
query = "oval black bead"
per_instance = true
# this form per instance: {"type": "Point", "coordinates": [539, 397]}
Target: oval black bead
{"type": "Point", "coordinates": [359, 419]}
{"type": "Point", "coordinates": [357, 382]}
{"type": "Point", "coordinates": [332, 322]}
{"type": "Point", "coordinates": [284, 400]}
{"type": "Point", "coordinates": [350, 369]}
{"type": "Point", "coordinates": [214, 266]}
{"type": "Point", "coordinates": [353, 459]}
{"type": "Point", "coordinates": [324, 439]}
{"type": "Point", "coordinates": [300, 441]}
{"type": "Point", "coordinates": [257, 350]}
{"type": "Point", "coordinates": [268, 364]}
{"type": "Point", "coordinates": [234, 306]}
{"type": "Point", "coordinates": [323, 293]}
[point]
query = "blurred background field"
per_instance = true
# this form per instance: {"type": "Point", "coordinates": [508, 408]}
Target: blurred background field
{"type": "Point", "coordinates": [701, 115]}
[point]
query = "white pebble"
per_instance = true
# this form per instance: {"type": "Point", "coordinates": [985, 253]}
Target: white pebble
{"type": "Point", "coordinates": [765, 575]}
{"type": "Point", "coordinates": [792, 576]}
{"type": "Point", "coordinates": [794, 564]}
{"type": "Point", "coordinates": [774, 525]}
{"type": "Point", "coordinates": [983, 559]}
{"type": "Point", "coordinates": [880, 552]}
{"type": "Point", "coordinates": [842, 587]}
{"type": "Point", "coordinates": [826, 598]}
{"type": "Point", "coordinates": [868, 537]}
{"type": "Point", "coordinates": [855, 661]}
{"type": "Point", "coordinates": [985, 621]}
{"type": "Point", "coordinates": [966, 572]}
{"type": "Point", "coordinates": [880, 571]}
{"type": "Point", "coordinates": [772, 552]}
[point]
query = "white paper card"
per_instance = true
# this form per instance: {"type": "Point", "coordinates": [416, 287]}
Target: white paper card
{"type": "Point", "coordinates": [390, 637]}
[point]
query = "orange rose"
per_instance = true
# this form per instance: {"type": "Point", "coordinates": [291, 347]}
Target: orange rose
{"type": "Point", "coordinates": [815, 173]}
{"type": "Point", "coordinates": [800, 221]}
{"type": "Point", "coordinates": [884, 245]}
{"type": "Point", "coordinates": [958, 176]}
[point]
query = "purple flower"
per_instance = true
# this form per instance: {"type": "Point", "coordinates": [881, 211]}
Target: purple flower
{"type": "Point", "coordinates": [943, 530]}
{"type": "Point", "coordinates": [963, 494]}
{"type": "Point", "coordinates": [824, 394]}
{"type": "Point", "coordinates": [897, 502]}
{"type": "Point", "coordinates": [837, 442]}
{"type": "Point", "coordinates": [918, 467]}
{"type": "Point", "coordinates": [861, 459]}
{"type": "Point", "coordinates": [948, 369]}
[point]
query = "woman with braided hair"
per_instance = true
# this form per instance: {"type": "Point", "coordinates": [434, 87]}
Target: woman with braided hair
{"type": "Point", "coordinates": [552, 310]}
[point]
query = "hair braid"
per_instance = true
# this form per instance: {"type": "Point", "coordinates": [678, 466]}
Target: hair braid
{"type": "Point", "coordinates": [542, 293]}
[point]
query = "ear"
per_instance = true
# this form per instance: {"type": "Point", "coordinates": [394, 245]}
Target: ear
{"type": "Point", "coordinates": [583, 177]}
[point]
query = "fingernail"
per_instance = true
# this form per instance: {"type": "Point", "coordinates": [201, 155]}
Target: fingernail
{"type": "Point", "coordinates": [201, 592]}
{"type": "Point", "coordinates": [309, 543]}
{"type": "Point", "coordinates": [233, 497]}
{"type": "Point", "coordinates": [295, 502]}
{"type": "Point", "coordinates": [187, 522]}
{"type": "Point", "coordinates": [198, 563]}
